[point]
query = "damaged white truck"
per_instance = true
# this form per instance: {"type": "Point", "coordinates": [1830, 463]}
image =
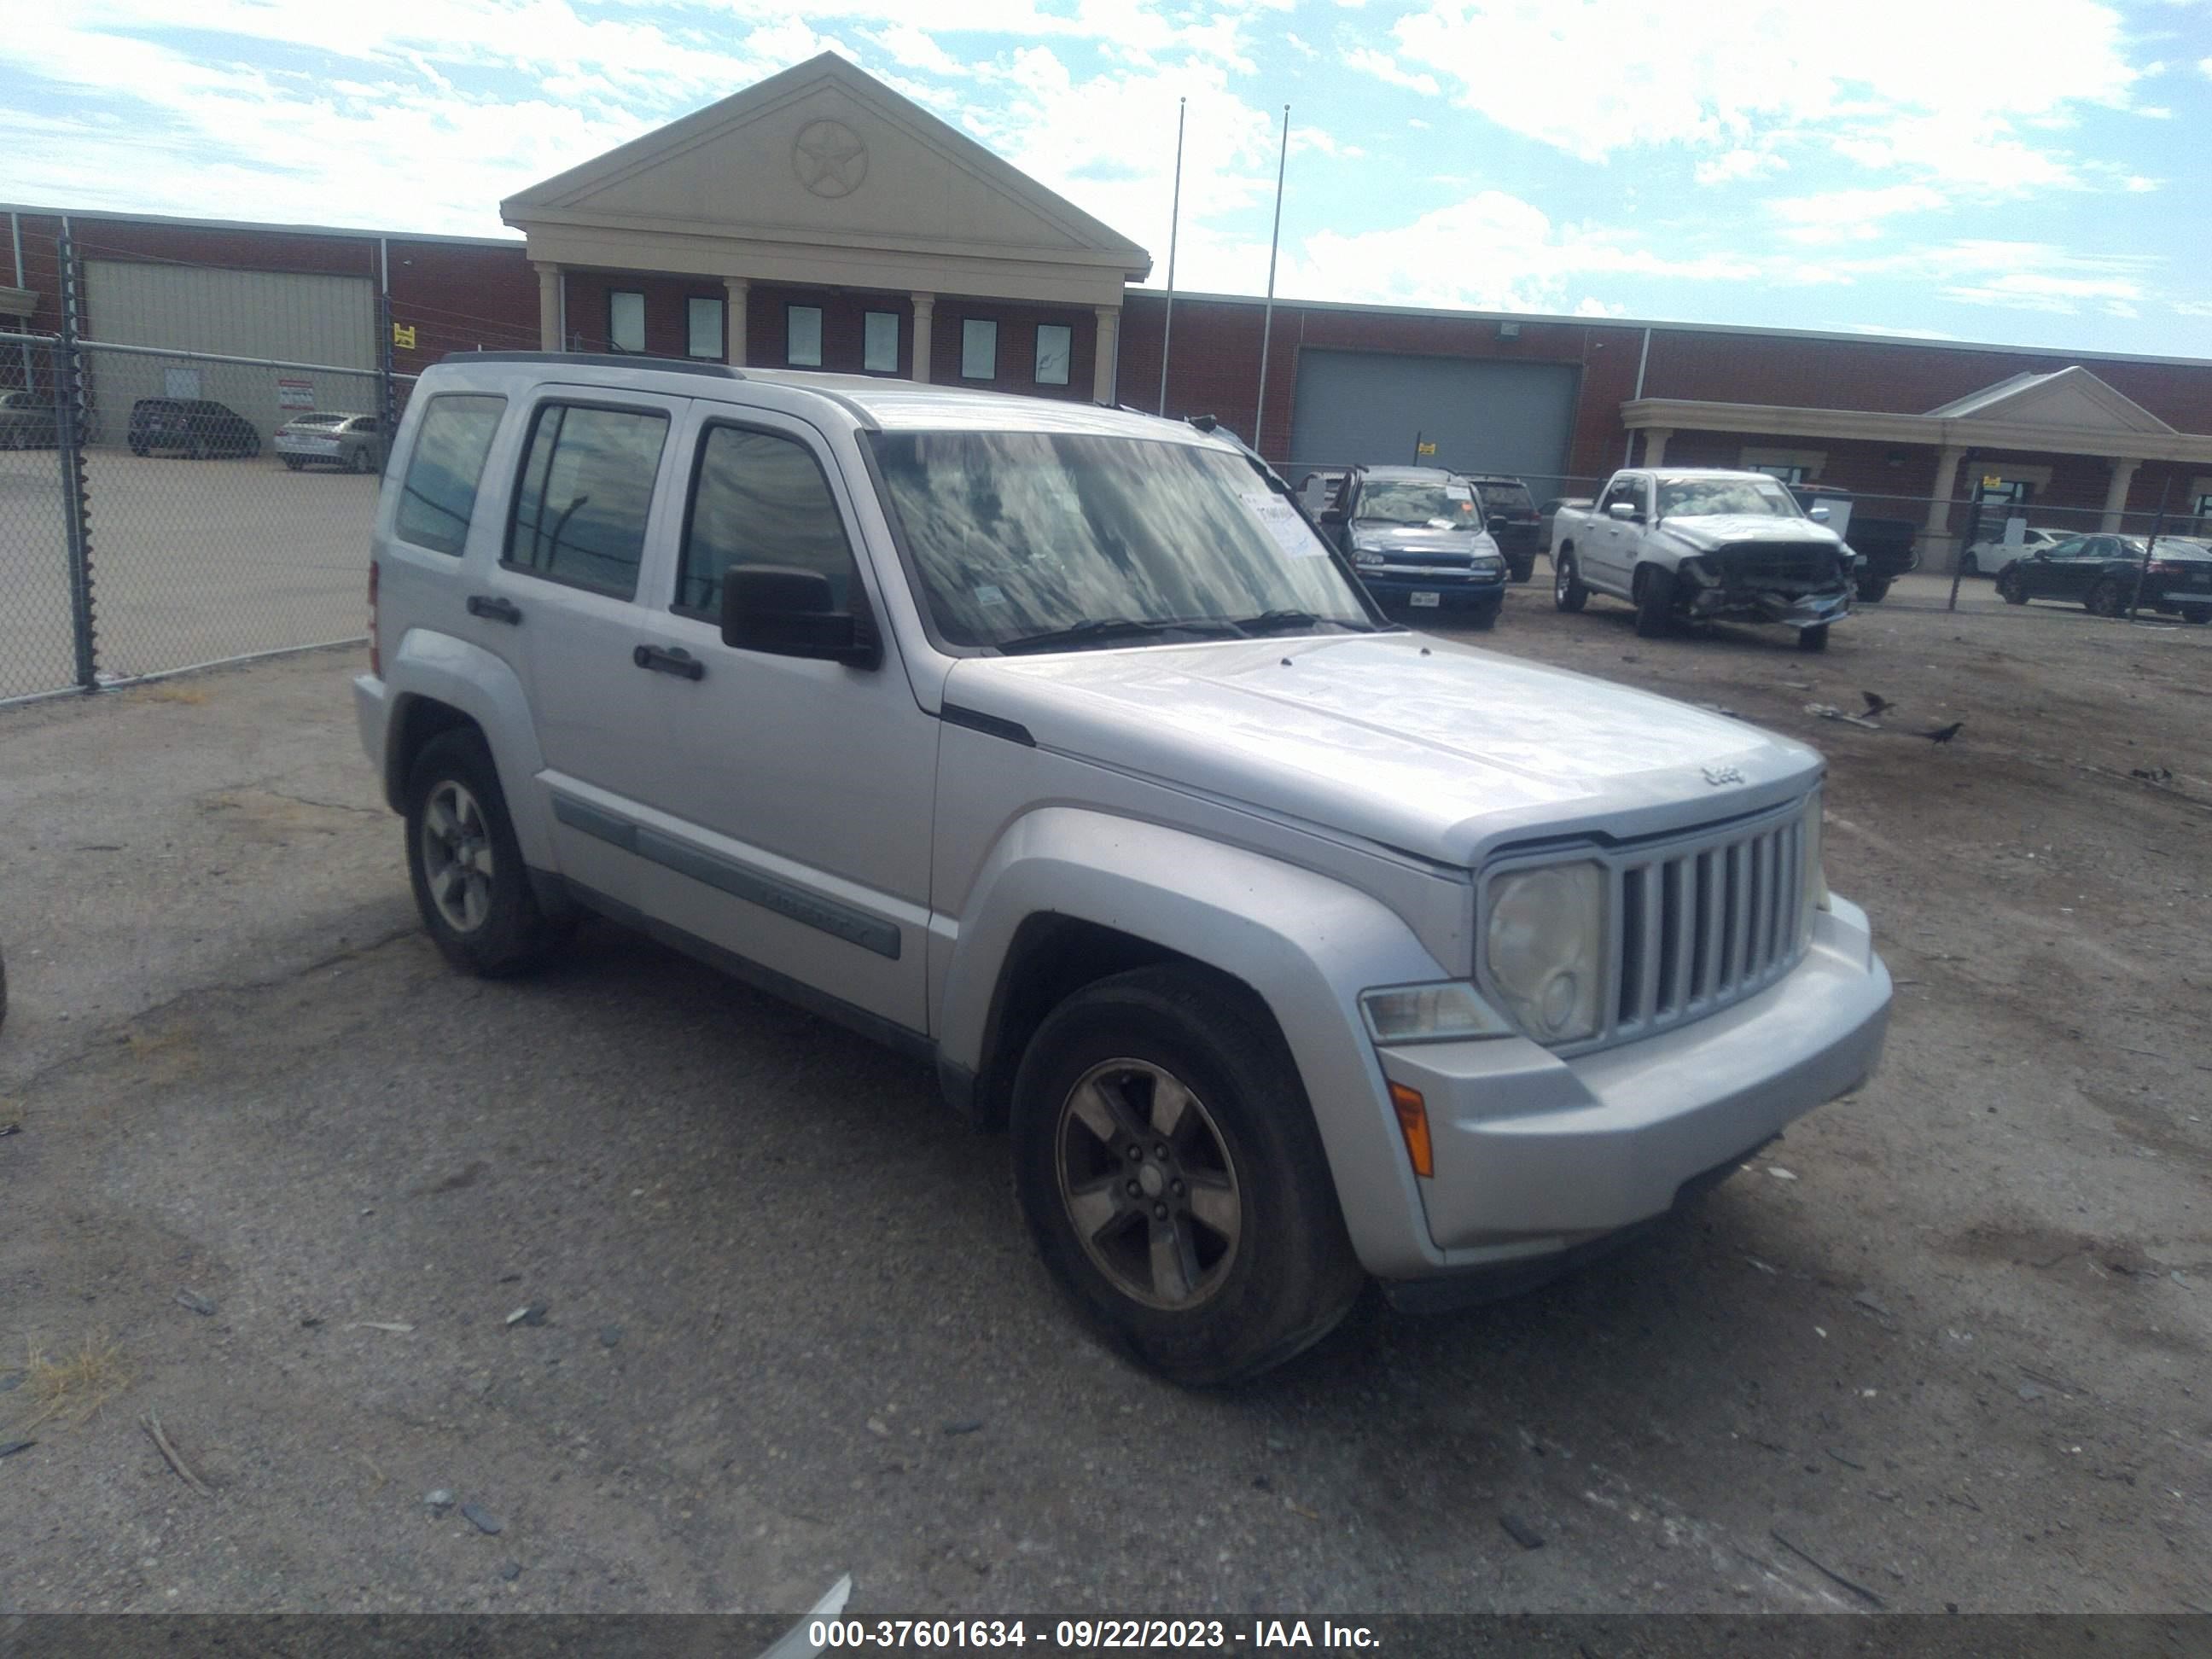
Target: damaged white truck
{"type": "Point", "coordinates": [1686, 546]}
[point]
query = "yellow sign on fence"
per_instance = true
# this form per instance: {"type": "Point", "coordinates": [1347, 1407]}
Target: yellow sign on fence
{"type": "Point", "coordinates": [403, 335]}
{"type": "Point", "coordinates": [1425, 449]}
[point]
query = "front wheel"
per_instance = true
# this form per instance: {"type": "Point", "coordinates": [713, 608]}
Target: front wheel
{"type": "Point", "coordinates": [1169, 1167]}
{"type": "Point", "coordinates": [1813, 639]}
{"type": "Point", "coordinates": [1568, 593]}
{"type": "Point", "coordinates": [1654, 604]}
{"type": "Point", "coordinates": [2106, 599]}
{"type": "Point", "coordinates": [465, 864]}
{"type": "Point", "coordinates": [1485, 619]}
{"type": "Point", "coordinates": [2198, 614]}
{"type": "Point", "coordinates": [2011, 589]}
{"type": "Point", "coordinates": [1872, 590]}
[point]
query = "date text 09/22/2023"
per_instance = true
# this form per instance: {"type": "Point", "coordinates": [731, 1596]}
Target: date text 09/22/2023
{"type": "Point", "coordinates": [1088, 1635]}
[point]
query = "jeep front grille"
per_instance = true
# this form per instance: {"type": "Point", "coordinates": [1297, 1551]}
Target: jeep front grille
{"type": "Point", "coordinates": [1704, 924]}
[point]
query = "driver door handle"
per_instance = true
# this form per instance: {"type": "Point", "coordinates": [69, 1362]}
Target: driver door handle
{"type": "Point", "coordinates": [494, 609]}
{"type": "Point", "coordinates": [674, 659]}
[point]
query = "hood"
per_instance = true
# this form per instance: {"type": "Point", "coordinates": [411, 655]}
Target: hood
{"type": "Point", "coordinates": [1726, 529]}
{"type": "Point", "coordinates": [1434, 747]}
{"type": "Point", "coordinates": [1418, 538]}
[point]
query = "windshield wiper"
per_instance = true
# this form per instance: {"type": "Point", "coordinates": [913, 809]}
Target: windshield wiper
{"type": "Point", "coordinates": [1094, 629]}
{"type": "Point", "coordinates": [1277, 622]}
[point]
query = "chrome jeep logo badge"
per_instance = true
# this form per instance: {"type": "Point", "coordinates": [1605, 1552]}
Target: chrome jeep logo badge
{"type": "Point", "coordinates": [1717, 775]}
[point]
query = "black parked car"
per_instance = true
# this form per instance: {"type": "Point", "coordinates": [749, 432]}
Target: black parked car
{"type": "Point", "coordinates": [26, 421]}
{"type": "Point", "coordinates": [1523, 536]}
{"type": "Point", "coordinates": [1886, 548]}
{"type": "Point", "coordinates": [194, 425]}
{"type": "Point", "coordinates": [2101, 572]}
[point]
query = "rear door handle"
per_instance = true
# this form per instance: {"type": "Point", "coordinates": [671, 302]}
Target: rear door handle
{"type": "Point", "coordinates": [493, 609]}
{"type": "Point", "coordinates": [675, 659]}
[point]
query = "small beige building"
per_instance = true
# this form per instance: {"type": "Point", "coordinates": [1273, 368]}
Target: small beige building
{"type": "Point", "coordinates": [820, 220]}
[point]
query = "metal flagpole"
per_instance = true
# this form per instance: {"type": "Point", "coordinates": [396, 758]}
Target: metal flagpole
{"type": "Point", "coordinates": [1175, 222]}
{"type": "Point", "coordinates": [1267, 325]}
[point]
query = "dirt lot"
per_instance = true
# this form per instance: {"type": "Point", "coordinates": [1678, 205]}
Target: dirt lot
{"type": "Point", "coordinates": [1945, 1345]}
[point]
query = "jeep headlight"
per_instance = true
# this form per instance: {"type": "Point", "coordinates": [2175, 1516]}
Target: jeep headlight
{"type": "Point", "coordinates": [1815, 896]}
{"type": "Point", "coordinates": [1545, 946]}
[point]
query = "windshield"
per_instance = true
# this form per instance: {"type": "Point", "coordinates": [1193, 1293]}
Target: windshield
{"type": "Point", "coordinates": [1020, 534]}
{"type": "Point", "coordinates": [1711, 498]}
{"type": "Point", "coordinates": [1508, 497]}
{"type": "Point", "coordinates": [1418, 501]}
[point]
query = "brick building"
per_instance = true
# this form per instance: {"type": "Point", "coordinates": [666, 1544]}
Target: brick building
{"type": "Point", "coordinates": [821, 220]}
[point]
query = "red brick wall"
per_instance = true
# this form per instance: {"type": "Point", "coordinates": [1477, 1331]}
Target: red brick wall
{"type": "Point", "coordinates": [667, 327]}
{"type": "Point", "coordinates": [1017, 356]}
{"type": "Point", "coordinates": [844, 326]}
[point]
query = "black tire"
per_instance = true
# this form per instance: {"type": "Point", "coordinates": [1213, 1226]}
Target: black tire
{"type": "Point", "coordinates": [509, 933]}
{"type": "Point", "coordinates": [1654, 604]}
{"type": "Point", "coordinates": [138, 449]}
{"type": "Point", "coordinates": [1568, 593]}
{"type": "Point", "coordinates": [1813, 639]}
{"type": "Point", "coordinates": [360, 463]}
{"type": "Point", "coordinates": [2106, 599]}
{"type": "Point", "coordinates": [2010, 589]}
{"type": "Point", "coordinates": [1290, 1275]}
{"type": "Point", "coordinates": [1523, 569]}
{"type": "Point", "coordinates": [1485, 619]}
{"type": "Point", "coordinates": [1872, 590]}
{"type": "Point", "coordinates": [252, 445]}
{"type": "Point", "coordinates": [293, 463]}
{"type": "Point", "coordinates": [2198, 614]}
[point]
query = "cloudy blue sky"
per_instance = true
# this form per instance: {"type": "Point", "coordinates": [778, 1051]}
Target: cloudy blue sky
{"type": "Point", "coordinates": [2029, 171]}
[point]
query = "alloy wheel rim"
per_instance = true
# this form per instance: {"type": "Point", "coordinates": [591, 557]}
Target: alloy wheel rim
{"type": "Point", "coordinates": [1147, 1181]}
{"type": "Point", "coordinates": [457, 856]}
{"type": "Point", "coordinates": [1562, 579]}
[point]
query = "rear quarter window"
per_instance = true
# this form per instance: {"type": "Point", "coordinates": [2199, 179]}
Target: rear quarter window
{"type": "Point", "coordinates": [438, 498]}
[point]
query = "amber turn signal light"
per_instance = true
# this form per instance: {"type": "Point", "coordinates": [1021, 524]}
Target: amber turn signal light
{"type": "Point", "coordinates": [1413, 1124]}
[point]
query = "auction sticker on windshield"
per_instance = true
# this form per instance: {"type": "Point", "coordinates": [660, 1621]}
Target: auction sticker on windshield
{"type": "Point", "coordinates": [1281, 521]}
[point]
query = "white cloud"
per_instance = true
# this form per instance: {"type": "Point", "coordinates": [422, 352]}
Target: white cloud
{"type": "Point", "coordinates": [2136, 185]}
{"type": "Point", "coordinates": [1942, 90]}
{"type": "Point", "coordinates": [1589, 308]}
{"type": "Point", "coordinates": [1840, 216]}
{"type": "Point", "coordinates": [2023, 290]}
{"type": "Point", "coordinates": [1734, 164]}
{"type": "Point", "coordinates": [1885, 329]}
{"type": "Point", "coordinates": [1383, 67]}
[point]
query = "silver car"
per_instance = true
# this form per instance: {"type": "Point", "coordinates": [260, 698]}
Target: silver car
{"type": "Point", "coordinates": [1053, 746]}
{"type": "Point", "coordinates": [351, 443]}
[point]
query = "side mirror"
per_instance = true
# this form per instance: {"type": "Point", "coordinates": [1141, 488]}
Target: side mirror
{"type": "Point", "coordinates": [785, 612]}
{"type": "Point", "coordinates": [1499, 523]}
{"type": "Point", "coordinates": [1333, 513]}
{"type": "Point", "coordinates": [1819, 515]}
{"type": "Point", "coordinates": [1625, 511]}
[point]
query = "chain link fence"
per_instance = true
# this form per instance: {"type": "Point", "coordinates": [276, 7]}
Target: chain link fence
{"type": "Point", "coordinates": [165, 507]}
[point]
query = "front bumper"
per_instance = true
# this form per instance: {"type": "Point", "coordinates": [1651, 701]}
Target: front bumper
{"type": "Point", "coordinates": [1455, 590]}
{"type": "Point", "coordinates": [1815, 610]}
{"type": "Point", "coordinates": [1536, 1156]}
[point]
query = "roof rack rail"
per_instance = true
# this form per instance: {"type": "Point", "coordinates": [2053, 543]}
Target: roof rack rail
{"type": "Point", "coordinates": [600, 359]}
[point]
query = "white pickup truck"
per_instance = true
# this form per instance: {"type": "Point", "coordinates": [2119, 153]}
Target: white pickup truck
{"type": "Point", "coordinates": [1704, 546]}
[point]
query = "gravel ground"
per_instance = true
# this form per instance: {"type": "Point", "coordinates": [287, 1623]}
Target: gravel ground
{"type": "Point", "coordinates": [1945, 1345]}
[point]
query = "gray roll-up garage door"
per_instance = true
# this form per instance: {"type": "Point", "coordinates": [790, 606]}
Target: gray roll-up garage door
{"type": "Point", "coordinates": [285, 315]}
{"type": "Point", "coordinates": [1483, 417]}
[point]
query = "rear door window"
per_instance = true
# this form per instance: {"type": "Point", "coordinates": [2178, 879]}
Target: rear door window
{"type": "Point", "coordinates": [438, 497]}
{"type": "Point", "coordinates": [758, 498]}
{"type": "Point", "coordinates": [585, 494]}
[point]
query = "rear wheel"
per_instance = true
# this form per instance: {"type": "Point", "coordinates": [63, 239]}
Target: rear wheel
{"type": "Point", "coordinates": [292, 462]}
{"type": "Point", "coordinates": [2106, 599]}
{"type": "Point", "coordinates": [465, 866]}
{"type": "Point", "coordinates": [2197, 613]}
{"type": "Point", "coordinates": [1654, 603]}
{"type": "Point", "coordinates": [2011, 589]}
{"type": "Point", "coordinates": [1169, 1167]}
{"type": "Point", "coordinates": [1568, 593]}
{"type": "Point", "coordinates": [1813, 639]}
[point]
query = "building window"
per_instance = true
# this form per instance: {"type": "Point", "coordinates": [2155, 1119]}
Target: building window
{"type": "Point", "coordinates": [802, 336]}
{"type": "Point", "coordinates": [2204, 504]}
{"type": "Point", "coordinates": [1789, 473]}
{"type": "Point", "coordinates": [979, 349]}
{"type": "Point", "coordinates": [879, 343]}
{"type": "Point", "coordinates": [1055, 345]}
{"type": "Point", "coordinates": [702, 322]}
{"type": "Point", "coordinates": [625, 320]}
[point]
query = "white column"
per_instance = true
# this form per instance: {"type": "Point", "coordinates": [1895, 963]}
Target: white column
{"type": "Point", "coordinates": [549, 306]}
{"type": "Point", "coordinates": [733, 318]}
{"type": "Point", "coordinates": [925, 318]}
{"type": "Point", "coordinates": [1106, 356]}
{"type": "Point", "coordinates": [2116, 494]}
{"type": "Point", "coordinates": [1654, 445]}
{"type": "Point", "coordinates": [1937, 544]}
